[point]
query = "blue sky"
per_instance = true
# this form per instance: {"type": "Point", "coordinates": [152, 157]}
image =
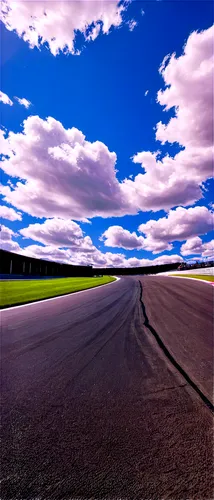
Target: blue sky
{"type": "Point", "coordinates": [101, 92]}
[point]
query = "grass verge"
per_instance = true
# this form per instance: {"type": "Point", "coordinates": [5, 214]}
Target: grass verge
{"type": "Point", "coordinates": [21, 292]}
{"type": "Point", "coordinates": [197, 276]}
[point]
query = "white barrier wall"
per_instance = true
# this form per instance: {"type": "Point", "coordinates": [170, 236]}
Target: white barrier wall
{"type": "Point", "coordinates": [202, 270]}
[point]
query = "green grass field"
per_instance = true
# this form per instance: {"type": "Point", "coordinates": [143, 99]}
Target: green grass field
{"type": "Point", "coordinates": [198, 276]}
{"type": "Point", "coordinates": [21, 292]}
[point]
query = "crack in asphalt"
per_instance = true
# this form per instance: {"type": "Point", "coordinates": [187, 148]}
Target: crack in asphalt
{"type": "Point", "coordinates": [170, 357]}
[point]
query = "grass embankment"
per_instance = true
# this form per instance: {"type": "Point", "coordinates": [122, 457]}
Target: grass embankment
{"type": "Point", "coordinates": [197, 276]}
{"type": "Point", "coordinates": [21, 292]}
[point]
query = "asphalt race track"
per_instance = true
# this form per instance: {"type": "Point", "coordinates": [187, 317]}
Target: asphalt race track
{"type": "Point", "coordinates": [107, 394]}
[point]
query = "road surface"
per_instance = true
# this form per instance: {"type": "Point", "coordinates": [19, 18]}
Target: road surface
{"type": "Point", "coordinates": [92, 405]}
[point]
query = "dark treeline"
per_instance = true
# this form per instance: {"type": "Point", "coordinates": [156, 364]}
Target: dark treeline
{"type": "Point", "coordinates": [15, 264]}
{"type": "Point", "coordinates": [19, 265]}
{"type": "Point", "coordinates": [127, 271]}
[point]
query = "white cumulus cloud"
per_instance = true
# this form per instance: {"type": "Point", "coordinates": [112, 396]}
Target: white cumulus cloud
{"type": "Point", "coordinates": [189, 90]}
{"type": "Point", "coordinates": [117, 236]}
{"type": "Point", "coordinates": [47, 253]}
{"type": "Point", "coordinates": [96, 259]}
{"type": "Point", "coordinates": [179, 224]}
{"type": "Point", "coordinates": [61, 173]}
{"type": "Point", "coordinates": [167, 182]}
{"type": "Point", "coordinates": [5, 99]}
{"type": "Point", "coordinates": [24, 102]}
{"type": "Point", "coordinates": [6, 240]}
{"type": "Point", "coordinates": [9, 213]}
{"type": "Point", "coordinates": [59, 233]}
{"type": "Point", "coordinates": [109, 259]}
{"type": "Point", "coordinates": [40, 22]}
{"type": "Point", "coordinates": [194, 246]}
{"type": "Point", "coordinates": [132, 24]}
{"type": "Point", "coordinates": [171, 181]}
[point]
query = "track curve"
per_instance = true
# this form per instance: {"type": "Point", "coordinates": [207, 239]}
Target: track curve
{"type": "Point", "coordinates": [91, 406]}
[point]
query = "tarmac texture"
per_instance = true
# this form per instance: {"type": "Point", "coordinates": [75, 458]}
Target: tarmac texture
{"type": "Point", "coordinates": [93, 407]}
